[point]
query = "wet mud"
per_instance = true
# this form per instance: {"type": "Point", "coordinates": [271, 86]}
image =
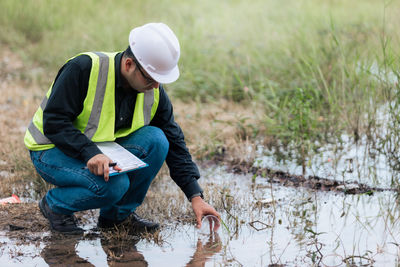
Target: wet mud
{"type": "Point", "coordinates": [20, 218]}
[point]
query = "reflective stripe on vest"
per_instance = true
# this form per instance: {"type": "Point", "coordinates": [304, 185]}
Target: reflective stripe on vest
{"type": "Point", "coordinates": [94, 120]}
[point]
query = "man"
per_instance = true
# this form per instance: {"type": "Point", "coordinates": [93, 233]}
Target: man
{"type": "Point", "coordinates": [117, 97]}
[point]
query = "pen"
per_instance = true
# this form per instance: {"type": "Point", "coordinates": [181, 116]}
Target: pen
{"type": "Point", "coordinates": [112, 164]}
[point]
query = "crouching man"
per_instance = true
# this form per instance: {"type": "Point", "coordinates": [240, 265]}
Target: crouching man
{"type": "Point", "coordinates": [97, 97]}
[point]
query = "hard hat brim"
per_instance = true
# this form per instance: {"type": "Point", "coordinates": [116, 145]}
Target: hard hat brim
{"type": "Point", "coordinates": [171, 77]}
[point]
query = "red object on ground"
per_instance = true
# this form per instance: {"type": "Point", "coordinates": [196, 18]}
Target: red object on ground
{"type": "Point", "coordinates": [9, 200]}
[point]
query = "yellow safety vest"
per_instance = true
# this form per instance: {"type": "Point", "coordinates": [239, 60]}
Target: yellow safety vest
{"type": "Point", "coordinates": [97, 119]}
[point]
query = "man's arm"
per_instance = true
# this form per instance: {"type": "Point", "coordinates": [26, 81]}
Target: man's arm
{"type": "Point", "coordinates": [182, 168]}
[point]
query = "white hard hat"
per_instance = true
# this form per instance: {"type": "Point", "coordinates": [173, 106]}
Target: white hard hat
{"type": "Point", "coordinates": [157, 49]}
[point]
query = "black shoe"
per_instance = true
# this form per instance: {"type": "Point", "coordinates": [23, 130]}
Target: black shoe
{"type": "Point", "coordinates": [106, 224]}
{"type": "Point", "coordinates": [138, 224]}
{"type": "Point", "coordinates": [134, 224]}
{"type": "Point", "coordinates": [65, 224]}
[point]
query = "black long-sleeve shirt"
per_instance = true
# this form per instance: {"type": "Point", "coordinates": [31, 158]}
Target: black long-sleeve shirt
{"type": "Point", "coordinates": [66, 103]}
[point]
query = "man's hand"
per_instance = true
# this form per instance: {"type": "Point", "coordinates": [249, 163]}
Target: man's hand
{"type": "Point", "coordinates": [99, 165]}
{"type": "Point", "coordinates": [201, 208]}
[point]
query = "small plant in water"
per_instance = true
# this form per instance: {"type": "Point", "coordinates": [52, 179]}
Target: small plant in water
{"type": "Point", "coordinates": [300, 123]}
{"type": "Point", "coordinates": [314, 247]}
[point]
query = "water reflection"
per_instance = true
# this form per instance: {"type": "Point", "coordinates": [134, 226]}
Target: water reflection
{"type": "Point", "coordinates": [62, 251]}
{"type": "Point", "coordinates": [374, 162]}
{"type": "Point", "coordinates": [123, 253]}
{"type": "Point", "coordinates": [205, 249]}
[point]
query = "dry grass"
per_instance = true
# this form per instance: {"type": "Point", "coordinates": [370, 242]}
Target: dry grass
{"type": "Point", "coordinates": [165, 202]}
{"type": "Point", "coordinates": [19, 98]}
{"type": "Point", "coordinates": [220, 131]}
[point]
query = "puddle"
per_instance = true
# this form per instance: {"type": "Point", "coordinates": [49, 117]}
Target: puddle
{"type": "Point", "coordinates": [265, 224]}
{"type": "Point", "coordinates": [348, 162]}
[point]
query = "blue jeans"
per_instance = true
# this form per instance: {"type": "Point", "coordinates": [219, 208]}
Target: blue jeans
{"type": "Point", "coordinates": [78, 189]}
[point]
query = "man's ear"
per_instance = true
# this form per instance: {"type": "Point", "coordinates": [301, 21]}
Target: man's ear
{"type": "Point", "coordinates": [128, 63]}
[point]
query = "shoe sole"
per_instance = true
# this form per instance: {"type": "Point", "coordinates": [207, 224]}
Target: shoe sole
{"type": "Point", "coordinates": [42, 210]}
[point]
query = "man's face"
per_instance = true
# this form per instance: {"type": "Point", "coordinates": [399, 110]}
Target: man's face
{"type": "Point", "coordinates": [137, 78]}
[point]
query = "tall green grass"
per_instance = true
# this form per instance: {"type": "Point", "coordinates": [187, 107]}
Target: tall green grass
{"type": "Point", "coordinates": [303, 63]}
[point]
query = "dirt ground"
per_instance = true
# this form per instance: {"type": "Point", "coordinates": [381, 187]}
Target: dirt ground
{"type": "Point", "coordinates": [19, 218]}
